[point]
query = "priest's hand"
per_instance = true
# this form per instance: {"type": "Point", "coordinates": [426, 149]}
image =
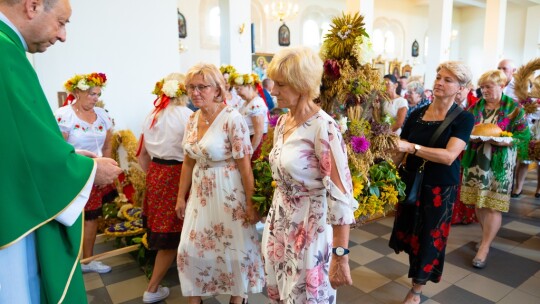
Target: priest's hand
{"type": "Point", "coordinates": [107, 170]}
{"type": "Point", "coordinates": [86, 153]}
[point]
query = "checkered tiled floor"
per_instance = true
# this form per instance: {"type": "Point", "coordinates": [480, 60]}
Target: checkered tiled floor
{"type": "Point", "coordinates": [512, 275]}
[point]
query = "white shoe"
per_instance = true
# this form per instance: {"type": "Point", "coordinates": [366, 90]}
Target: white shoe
{"type": "Point", "coordinates": [152, 297]}
{"type": "Point", "coordinates": [95, 266]}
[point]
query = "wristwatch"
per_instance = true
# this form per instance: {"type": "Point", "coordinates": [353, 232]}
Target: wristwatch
{"type": "Point", "coordinates": [416, 148]}
{"type": "Point", "coordinates": [340, 251]}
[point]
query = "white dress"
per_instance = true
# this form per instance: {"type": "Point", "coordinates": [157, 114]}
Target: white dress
{"type": "Point", "coordinates": [219, 252]}
{"type": "Point", "coordinates": [297, 237]}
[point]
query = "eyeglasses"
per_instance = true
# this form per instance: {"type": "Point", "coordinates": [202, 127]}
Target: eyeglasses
{"type": "Point", "coordinates": [198, 88]}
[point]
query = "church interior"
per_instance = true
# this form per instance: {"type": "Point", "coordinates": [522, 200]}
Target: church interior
{"type": "Point", "coordinates": [136, 42]}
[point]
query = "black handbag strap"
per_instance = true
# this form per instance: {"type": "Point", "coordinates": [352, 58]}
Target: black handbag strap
{"type": "Point", "coordinates": [447, 121]}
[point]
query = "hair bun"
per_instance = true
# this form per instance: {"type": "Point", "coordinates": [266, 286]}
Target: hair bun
{"type": "Point", "coordinates": [487, 129]}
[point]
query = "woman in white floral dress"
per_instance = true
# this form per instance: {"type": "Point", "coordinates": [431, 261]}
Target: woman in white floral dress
{"type": "Point", "coordinates": [306, 235]}
{"type": "Point", "coordinates": [219, 251]}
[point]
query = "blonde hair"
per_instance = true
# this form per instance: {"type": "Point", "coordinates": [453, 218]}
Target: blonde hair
{"type": "Point", "coordinates": [299, 67]}
{"type": "Point", "coordinates": [209, 73]}
{"type": "Point", "coordinates": [181, 100]}
{"type": "Point", "coordinates": [459, 69]}
{"type": "Point", "coordinates": [495, 76]}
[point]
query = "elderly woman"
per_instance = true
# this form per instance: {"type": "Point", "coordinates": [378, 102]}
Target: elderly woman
{"type": "Point", "coordinates": [219, 251]}
{"type": "Point", "coordinates": [488, 165]}
{"type": "Point", "coordinates": [396, 107]}
{"type": "Point", "coordinates": [306, 235]}
{"type": "Point", "coordinates": [254, 109]}
{"type": "Point", "coordinates": [161, 156]}
{"type": "Point", "coordinates": [421, 230]}
{"type": "Point", "coordinates": [88, 128]}
{"type": "Point", "coordinates": [416, 98]}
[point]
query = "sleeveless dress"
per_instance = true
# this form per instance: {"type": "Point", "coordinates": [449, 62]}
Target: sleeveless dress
{"type": "Point", "coordinates": [219, 251]}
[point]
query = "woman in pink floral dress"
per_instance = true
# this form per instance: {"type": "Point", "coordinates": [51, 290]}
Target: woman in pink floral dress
{"type": "Point", "coordinates": [219, 251]}
{"type": "Point", "coordinates": [305, 239]}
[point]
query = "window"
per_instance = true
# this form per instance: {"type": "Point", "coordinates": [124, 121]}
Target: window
{"type": "Point", "coordinates": [311, 34]}
{"type": "Point", "coordinates": [214, 26]}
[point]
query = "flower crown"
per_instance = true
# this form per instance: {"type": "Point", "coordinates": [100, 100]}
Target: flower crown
{"type": "Point", "coordinates": [84, 82]}
{"type": "Point", "coordinates": [244, 79]}
{"type": "Point", "coordinates": [170, 88]}
{"type": "Point", "coordinates": [227, 69]}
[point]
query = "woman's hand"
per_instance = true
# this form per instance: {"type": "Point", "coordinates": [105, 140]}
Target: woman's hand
{"type": "Point", "coordinates": [340, 273]}
{"type": "Point", "coordinates": [252, 216]}
{"type": "Point", "coordinates": [405, 146]}
{"type": "Point", "coordinates": [180, 207]}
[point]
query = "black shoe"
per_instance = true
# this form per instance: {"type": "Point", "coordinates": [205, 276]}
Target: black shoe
{"type": "Point", "coordinates": [514, 195]}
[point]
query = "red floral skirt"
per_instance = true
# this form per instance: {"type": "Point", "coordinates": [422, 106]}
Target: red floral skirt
{"type": "Point", "coordinates": [463, 214]}
{"type": "Point", "coordinates": [422, 231]}
{"type": "Point", "coordinates": [159, 216]}
{"type": "Point", "coordinates": [92, 209]}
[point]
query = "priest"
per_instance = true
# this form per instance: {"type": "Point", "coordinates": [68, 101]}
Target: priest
{"type": "Point", "coordinates": [45, 182]}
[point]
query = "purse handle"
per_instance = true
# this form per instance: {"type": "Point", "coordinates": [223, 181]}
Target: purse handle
{"type": "Point", "coordinates": [447, 121]}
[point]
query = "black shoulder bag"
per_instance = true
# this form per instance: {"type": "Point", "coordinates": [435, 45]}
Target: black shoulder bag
{"type": "Point", "coordinates": [413, 180]}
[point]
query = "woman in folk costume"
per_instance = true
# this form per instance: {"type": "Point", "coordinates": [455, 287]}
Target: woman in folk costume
{"type": "Point", "coordinates": [161, 156]}
{"type": "Point", "coordinates": [254, 109]}
{"type": "Point", "coordinates": [89, 128]}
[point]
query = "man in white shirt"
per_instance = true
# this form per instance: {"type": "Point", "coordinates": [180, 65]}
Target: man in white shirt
{"type": "Point", "coordinates": [508, 67]}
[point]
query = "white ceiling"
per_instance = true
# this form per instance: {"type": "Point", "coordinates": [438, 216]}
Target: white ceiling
{"type": "Point", "coordinates": [480, 3]}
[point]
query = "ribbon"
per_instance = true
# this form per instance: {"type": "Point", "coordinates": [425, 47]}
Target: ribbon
{"type": "Point", "coordinates": [141, 142]}
{"type": "Point", "coordinates": [261, 94]}
{"type": "Point", "coordinates": [69, 100]}
{"type": "Point", "coordinates": [160, 104]}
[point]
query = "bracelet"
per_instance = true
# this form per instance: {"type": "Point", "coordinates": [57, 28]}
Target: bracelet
{"type": "Point", "coordinates": [414, 153]}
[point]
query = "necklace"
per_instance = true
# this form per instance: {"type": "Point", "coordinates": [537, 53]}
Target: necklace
{"type": "Point", "coordinates": [212, 116]}
{"type": "Point", "coordinates": [300, 122]}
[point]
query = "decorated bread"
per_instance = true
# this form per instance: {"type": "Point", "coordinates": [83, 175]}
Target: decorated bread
{"type": "Point", "coordinates": [487, 129]}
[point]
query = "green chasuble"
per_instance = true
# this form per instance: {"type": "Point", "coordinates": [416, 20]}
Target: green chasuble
{"type": "Point", "coordinates": [40, 175]}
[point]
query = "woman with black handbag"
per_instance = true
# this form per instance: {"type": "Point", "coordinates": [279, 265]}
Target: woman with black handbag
{"type": "Point", "coordinates": [433, 137]}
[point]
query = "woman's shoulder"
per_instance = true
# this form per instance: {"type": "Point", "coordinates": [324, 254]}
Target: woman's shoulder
{"type": "Point", "coordinates": [64, 111]}
{"type": "Point", "coordinates": [464, 118]}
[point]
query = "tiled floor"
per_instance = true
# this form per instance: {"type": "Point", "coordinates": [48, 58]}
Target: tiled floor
{"type": "Point", "coordinates": [512, 275]}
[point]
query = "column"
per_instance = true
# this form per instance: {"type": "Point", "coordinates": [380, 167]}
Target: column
{"type": "Point", "coordinates": [366, 9]}
{"type": "Point", "coordinates": [235, 42]}
{"type": "Point", "coordinates": [439, 35]}
{"type": "Point", "coordinates": [495, 21]}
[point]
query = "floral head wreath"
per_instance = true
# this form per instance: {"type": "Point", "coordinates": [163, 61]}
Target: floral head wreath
{"type": "Point", "coordinates": [165, 90]}
{"type": "Point", "coordinates": [227, 69]}
{"type": "Point", "coordinates": [83, 82]}
{"type": "Point", "coordinates": [244, 79]}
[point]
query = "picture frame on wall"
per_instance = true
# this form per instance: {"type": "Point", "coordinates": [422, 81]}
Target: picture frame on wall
{"type": "Point", "coordinates": [62, 96]}
{"type": "Point", "coordinates": [406, 71]}
{"type": "Point", "coordinates": [284, 35]}
{"type": "Point", "coordinates": [394, 68]}
{"type": "Point", "coordinates": [259, 63]}
{"type": "Point", "coordinates": [182, 27]}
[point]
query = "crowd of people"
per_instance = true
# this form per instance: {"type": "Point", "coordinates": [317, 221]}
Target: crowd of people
{"type": "Point", "coordinates": [197, 147]}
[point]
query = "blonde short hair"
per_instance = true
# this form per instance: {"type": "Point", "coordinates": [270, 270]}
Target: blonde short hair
{"type": "Point", "coordinates": [211, 74]}
{"type": "Point", "coordinates": [496, 76]}
{"type": "Point", "coordinates": [299, 67]}
{"type": "Point", "coordinates": [459, 69]}
{"type": "Point", "coordinates": [181, 100]}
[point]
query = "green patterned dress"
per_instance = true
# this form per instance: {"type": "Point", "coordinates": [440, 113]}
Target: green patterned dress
{"type": "Point", "coordinates": [488, 169]}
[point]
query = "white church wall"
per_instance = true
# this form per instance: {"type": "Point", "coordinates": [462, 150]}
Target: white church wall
{"type": "Point", "coordinates": [134, 42]}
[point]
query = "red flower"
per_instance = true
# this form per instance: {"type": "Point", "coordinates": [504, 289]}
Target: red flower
{"type": "Point", "coordinates": [436, 190]}
{"type": "Point", "coordinates": [331, 68]}
{"type": "Point", "coordinates": [436, 233]}
{"type": "Point", "coordinates": [437, 201]}
{"type": "Point", "coordinates": [59, 119]}
{"type": "Point", "coordinates": [77, 126]}
{"type": "Point", "coordinates": [428, 268]}
{"type": "Point", "coordinates": [439, 244]}
{"type": "Point", "coordinates": [415, 245]}
{"type": "Point", "coordinates": [435, 262]}
{"type": "Point", "coordinates": [100, 128]}
{"type": "Point", "coordinates": [445, 228]}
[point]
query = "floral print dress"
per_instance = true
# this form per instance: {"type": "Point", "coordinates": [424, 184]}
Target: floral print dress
{"type": "Point", "coordinates": [219, 251]}
{"type": "Point", "coordinates": [297, 237]}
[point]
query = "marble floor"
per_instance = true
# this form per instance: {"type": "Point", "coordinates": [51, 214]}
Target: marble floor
{"type": "Point", "coordinates": [512, 275]}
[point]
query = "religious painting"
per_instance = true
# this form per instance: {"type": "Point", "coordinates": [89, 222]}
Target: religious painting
{"type": "Point", "coordinates": [259, 62]}
{"type": "Point", "coordinates": [182, 28]}
{"type": "Point", "coordinates": [395, 68]}
{"type": "Point", "coordinates": [415, 49]}
{"type": "Point", "coordinates": [406, 70]}
{"type": "Point", "coordinates": [284, 35]}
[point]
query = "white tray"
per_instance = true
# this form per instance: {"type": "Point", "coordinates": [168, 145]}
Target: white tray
{"type": "Point", "coordinates": [497, 139]}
